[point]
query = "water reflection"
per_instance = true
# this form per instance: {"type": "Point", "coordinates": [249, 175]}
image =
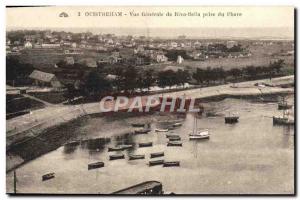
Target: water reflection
{"type": "Point", "coordinates": [246, 152]}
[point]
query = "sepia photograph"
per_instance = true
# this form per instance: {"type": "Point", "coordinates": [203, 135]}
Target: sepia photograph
{"type": "Point", "coordinates": [150, 100]}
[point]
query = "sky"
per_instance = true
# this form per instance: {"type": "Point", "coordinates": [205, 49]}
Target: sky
{"type": "Point", "coordinates": [281, 19]}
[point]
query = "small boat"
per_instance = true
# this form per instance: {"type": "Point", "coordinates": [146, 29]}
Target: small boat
{"type": "Point", "coordinates": [136, 157]}
{"type": "Point", "coordinates": [171, 164]}
{"type": "Point", "coordinates": [177, 124]}
{"type": "Point", "coordinates": [156, 162]}
{"type": "Point", "coordinates": [138, 124]}
{"type": "Point", "coordinates": [200, 135]}
{"type": "Point", "coordinates": [145, 188]}
{"type": "Point", "coordinates": [161, 130]}
{"type": "Point", "coordinates": [116, 157]}
{"type": "Point", "coordinates": [283, 120]}
{"type": "Point", "coordinates": [95, 165]}
{"type": "Point", "coordinates": [174, 143]}
{"type": "Point", "coordinates": [142, 131]}
{"type": "Point", "coordinates": [118, 148]}
{"type": "Point", "coordinates": [231, 119]}
{"type": "Point", "coordinates": [158, 154]}
{"type": "Point", "coordinates": [48, 176]}
{"type": "Point", "coordinates": [145, 144]}
{"type": "Point", "coordinates": [174, 138]}
{"type": "Point", "coordinates": [126, 146]}
{"type": "Point", "coordinates": [283, 105]}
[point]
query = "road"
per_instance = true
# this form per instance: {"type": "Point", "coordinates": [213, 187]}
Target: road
{"type": "Point", "coordinates": [39, 120]}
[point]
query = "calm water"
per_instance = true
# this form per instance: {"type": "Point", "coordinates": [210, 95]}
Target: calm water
{"type": "Point", "coordinates": [252, 156]}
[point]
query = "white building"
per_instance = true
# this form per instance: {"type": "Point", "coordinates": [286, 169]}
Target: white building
{"type": "Point", "coordinates": [179, 59]}
{"type": "Point", "coordinates": [28, 45]}
{"type": "Point", "coordinates": [231, 44]}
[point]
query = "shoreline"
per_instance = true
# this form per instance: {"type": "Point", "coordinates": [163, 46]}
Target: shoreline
{"type": "Point", "coordinates": [42, 121]}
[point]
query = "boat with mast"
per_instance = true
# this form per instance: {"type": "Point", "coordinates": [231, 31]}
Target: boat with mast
{"type": "Point", "coordinates": [232, 118]}
{"type": "Point", "coordinates": [284, 105]}
{"type": "Point", "coordinates": [198, 134]}
{"type": "Point", "coordinates": [284, 119]}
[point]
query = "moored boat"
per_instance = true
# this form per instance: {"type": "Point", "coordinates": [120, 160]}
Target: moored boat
{"type": "Point", "coordinates": [177, 124]}
{"type": "Point", "coordinates": [171, 164]}
{"type": "Point", "coordinates": [281, 120]}
{"type": "Point", "coordinates": [156, 162]}
{"type": "Point", "coordinates": [95, 165]}
{"type": "Point", "coordinates": [284, 105]}
{"type": "Point", "coordinates": [142, 131]}
{"type": "Point", "coordinates": [174, 143]}
{"type": "Point", "coordinates": [158, 154]}
{"type": "Point", "coordinates": [199, 135]}
{"type": "Point", "coordinates": [48, 176]}
{"type": "Point", "coordinates": [118, 148]}
{"type": "Point", "coordinates": [145, 144]}
{"type": "Point", "coordinates": [145, 188]}
{"type": "Point", "coordinates": [284, 119]}
{"type": "Point", "coordinates": [136, 157]}
{"type": "Point", "coordinates": [126, 146]}
{"type": "Point", "coordinates": [231, 119]}
{"type": "Point", "coordinates": [138, 124]}
{"type": "Point", "coordinates": [117, 156]}
{"type": "Point", "coordinates": [174, 138]}
{"type": "Point", "coordinates": [161, 130]}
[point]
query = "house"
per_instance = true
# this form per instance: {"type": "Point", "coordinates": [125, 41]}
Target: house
{"type": "Point", "coordinates": [179, 60]}
{"type": "Point", "coordinates": [231, 44]}
{"type": "Point", "coordinates": [28, 45]}
{"type": "Point", "coordinates": [45, 45]}
{"type": "Point", "coordinates": [45, 79]}
{"type": "Point", "coordinates": [161, 58]}
{"type": "Point", "coordinates": [89, 62]}
{"type": "Point", "coordinates": [74, 45]}
{"type": "Point", "coordinates": [173, 44]}
{"type": "Point", "coordinates": [69, 60]}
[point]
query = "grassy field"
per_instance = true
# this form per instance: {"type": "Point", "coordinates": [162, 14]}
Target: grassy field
{"type": "Point", "coordinates": [51, 97]}
{"type": "Point", "coordinates": [17, 105]}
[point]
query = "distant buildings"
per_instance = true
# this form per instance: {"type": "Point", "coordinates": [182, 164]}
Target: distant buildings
{"type": "Point", "coordinates": [231, 44]}
{"type": "Point", "coordinates": [45, 45]}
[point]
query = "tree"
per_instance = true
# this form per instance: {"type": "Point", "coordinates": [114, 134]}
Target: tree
{"type": "Point", "coordinates": [277, 65]}
{"type": "Point", "coordinates": [199, 75]}
{"type": "Point", "coordinates": [250, 71]}
{"type": "Point", "coordinates": [16, 71]}
{"type": "Point", "coordinates": [148, 78]}
{"type": "Point", "coordinates": [130, 76]}
{"type": "Point", "coordinates": [235, 73]}
{"type": "Point", "coordinates": [182, 77]}
{"type": "Point", "coordinates": [167, 78]}
{"type": "Point", "coordinates": [96, 84]}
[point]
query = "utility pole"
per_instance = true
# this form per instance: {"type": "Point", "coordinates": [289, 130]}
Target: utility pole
{"type": "Point", "coordinates": [15, 182]}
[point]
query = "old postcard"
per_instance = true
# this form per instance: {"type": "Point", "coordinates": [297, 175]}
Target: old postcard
{"type": "Point", "coordinates": [150, 100]}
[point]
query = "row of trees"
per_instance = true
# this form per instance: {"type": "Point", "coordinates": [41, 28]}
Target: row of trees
{"type": "Point", "coordinates": [250, 72]}
{"type": "Point", "coordinates": [130, 79]}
